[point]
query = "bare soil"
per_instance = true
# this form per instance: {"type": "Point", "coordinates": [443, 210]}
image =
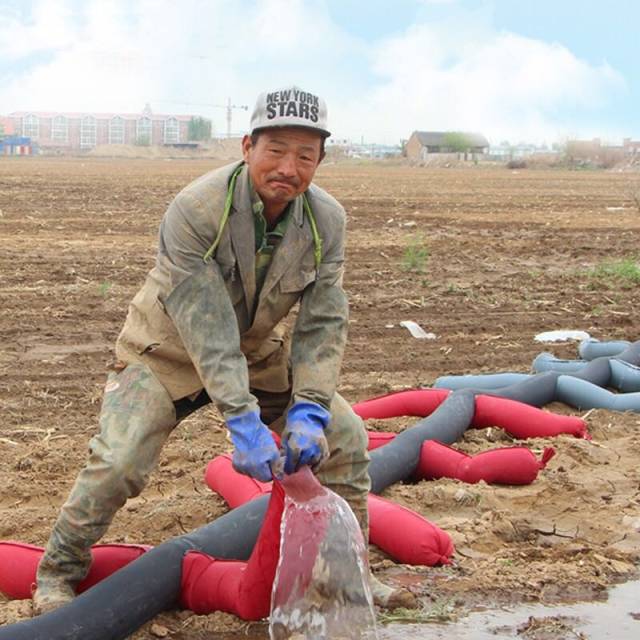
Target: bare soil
{"type": "Point", "coordinates": [510, 254]}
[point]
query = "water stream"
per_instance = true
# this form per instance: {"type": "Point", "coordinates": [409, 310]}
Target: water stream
{"type": "Point", "coordinates": [321, 589]}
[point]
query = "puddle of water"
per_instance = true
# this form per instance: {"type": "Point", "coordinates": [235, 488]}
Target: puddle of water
{"type": "Point", "coordinates": [618, 618]}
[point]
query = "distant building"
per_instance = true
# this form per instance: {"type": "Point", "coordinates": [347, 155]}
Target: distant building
{"type": "Point", "coordinates": [82, 131]}
{"type": "Point", "coordinates": [15, 146]}
{"type": "Point", "coordinates": [505, 151]}
{"type": "Point", "coordinates": [593, 151]}
{"type": "Point", "coordinates": [423, 143]}
{"type": "Point", "coordinates": [372, 151]}
{"type": "Point", "coordinates": [631, 147]}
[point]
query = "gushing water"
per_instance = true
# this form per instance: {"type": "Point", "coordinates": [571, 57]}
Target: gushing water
{"type": "Point", "coordinates": [321, 589]}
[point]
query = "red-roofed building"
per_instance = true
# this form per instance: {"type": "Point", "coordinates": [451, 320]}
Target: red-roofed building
{"type": "Point", "coordinates": [6, 126]}
{"type": "Point", "coordinates": [80, 131]}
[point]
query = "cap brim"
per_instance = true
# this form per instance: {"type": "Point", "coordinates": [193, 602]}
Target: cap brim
{"type": "Point", "coordinates": [323, 132]}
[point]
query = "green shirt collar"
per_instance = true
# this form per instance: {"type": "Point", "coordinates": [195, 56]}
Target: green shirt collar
{"type": "Point", "coordinates": [260, 222]}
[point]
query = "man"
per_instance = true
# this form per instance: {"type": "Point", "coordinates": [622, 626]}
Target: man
{"type": "Point", "coordinates": [238, 248]}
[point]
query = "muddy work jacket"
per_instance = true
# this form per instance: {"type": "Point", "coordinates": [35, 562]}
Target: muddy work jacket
{"type": "Point", "coordinates": [252, 349]}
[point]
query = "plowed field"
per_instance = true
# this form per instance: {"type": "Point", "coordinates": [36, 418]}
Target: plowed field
{"type": "Point", "coordinates": [483, 258]}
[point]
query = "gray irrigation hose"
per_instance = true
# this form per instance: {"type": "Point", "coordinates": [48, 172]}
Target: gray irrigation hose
{"type": "Point", "coordinates": [546, 361]}
{"type": "Point", "coordinates": [536, 390]}
{"type": "Point", "coordinates": [625, 377]}
{"type": "Point", "coordinates": [398, 460]}
{"type": "Point", "coordinates": [120, 604]}
{"type": "Point", "coordinates": [485, 382]}
{"type": "Point", "coordinates": [541, 388]}
{"type": "Point", "coordinates": [591, 348]}
{"type": "Point", "coordinates": [584, 395]}
{"type": "Point", "coordinates": [117, 606]}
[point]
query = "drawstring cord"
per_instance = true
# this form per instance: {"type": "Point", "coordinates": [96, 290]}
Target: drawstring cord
{"type": "Point", "coordinates": [317, 240]}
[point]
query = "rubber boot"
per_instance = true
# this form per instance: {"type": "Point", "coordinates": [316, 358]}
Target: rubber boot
{"type": "Point", "coordinates": [65, 564]}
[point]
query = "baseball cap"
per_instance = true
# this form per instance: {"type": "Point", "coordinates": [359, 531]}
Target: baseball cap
{"type": "Point", "coordinates": [290, 107]}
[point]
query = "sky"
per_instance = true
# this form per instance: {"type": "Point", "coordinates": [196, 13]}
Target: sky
{"type": "Point", "coordinates": [538, 71]}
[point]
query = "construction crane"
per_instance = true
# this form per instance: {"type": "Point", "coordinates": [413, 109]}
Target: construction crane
{"type": "Point", "coordinates": [229, 107]}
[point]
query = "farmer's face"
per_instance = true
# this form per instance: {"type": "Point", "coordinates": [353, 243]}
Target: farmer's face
{"type": "Point", "coordinates": [282, 163]}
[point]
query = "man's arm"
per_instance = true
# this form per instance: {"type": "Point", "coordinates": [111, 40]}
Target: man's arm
{"type": "Point", "coordinates": [201, 310]}
{"type": "Point", "coordinates": [199, 306]}
{"type": "Point", "coordinates": [320, 332]}
{"type": "Point", "coordinates": [320, 336]}
{"type": "Point", "coordinates": [318, 342]}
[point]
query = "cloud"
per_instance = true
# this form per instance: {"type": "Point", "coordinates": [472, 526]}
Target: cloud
{"type": "Point", "coordinates": [469, 77]}
{"type": "Point", "coordinates": [83, 57]}
{"type": "Point", "coordinates": [117, 55]}
{"type": "Point", "coordinates": [181, 57]}
{"type": "Point", "coordinates": [50, 26]}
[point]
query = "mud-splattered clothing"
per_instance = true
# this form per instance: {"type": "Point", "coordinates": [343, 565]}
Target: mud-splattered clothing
{"type": "Point", "coordinates": [198, 331]}
{"type": "Point", "coordinates": [186, 233]}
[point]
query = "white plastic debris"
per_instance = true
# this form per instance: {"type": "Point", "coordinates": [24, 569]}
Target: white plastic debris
{"type": "Point", "coordinates": [416, 330]}
{"type": "Point", "coordinates": [562, 335]}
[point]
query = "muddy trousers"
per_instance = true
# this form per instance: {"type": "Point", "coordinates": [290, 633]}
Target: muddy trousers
{"type": "Point", "coordinates": [136, 419]}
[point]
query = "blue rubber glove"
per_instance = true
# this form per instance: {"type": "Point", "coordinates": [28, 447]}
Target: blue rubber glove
{"type": "Point", "coordinates": [256, 453]}
{"type": "Point", "coordinates": [303, 440]}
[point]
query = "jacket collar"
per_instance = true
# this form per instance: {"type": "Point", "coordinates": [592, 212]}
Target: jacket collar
{"type": "Point", "coordinates": [296, 240]}
{"type": "Point", "coordinates": [243, 235]}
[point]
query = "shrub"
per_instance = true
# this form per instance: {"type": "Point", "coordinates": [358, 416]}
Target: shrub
{"type": "Point", "coordinates": [415, 256]}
